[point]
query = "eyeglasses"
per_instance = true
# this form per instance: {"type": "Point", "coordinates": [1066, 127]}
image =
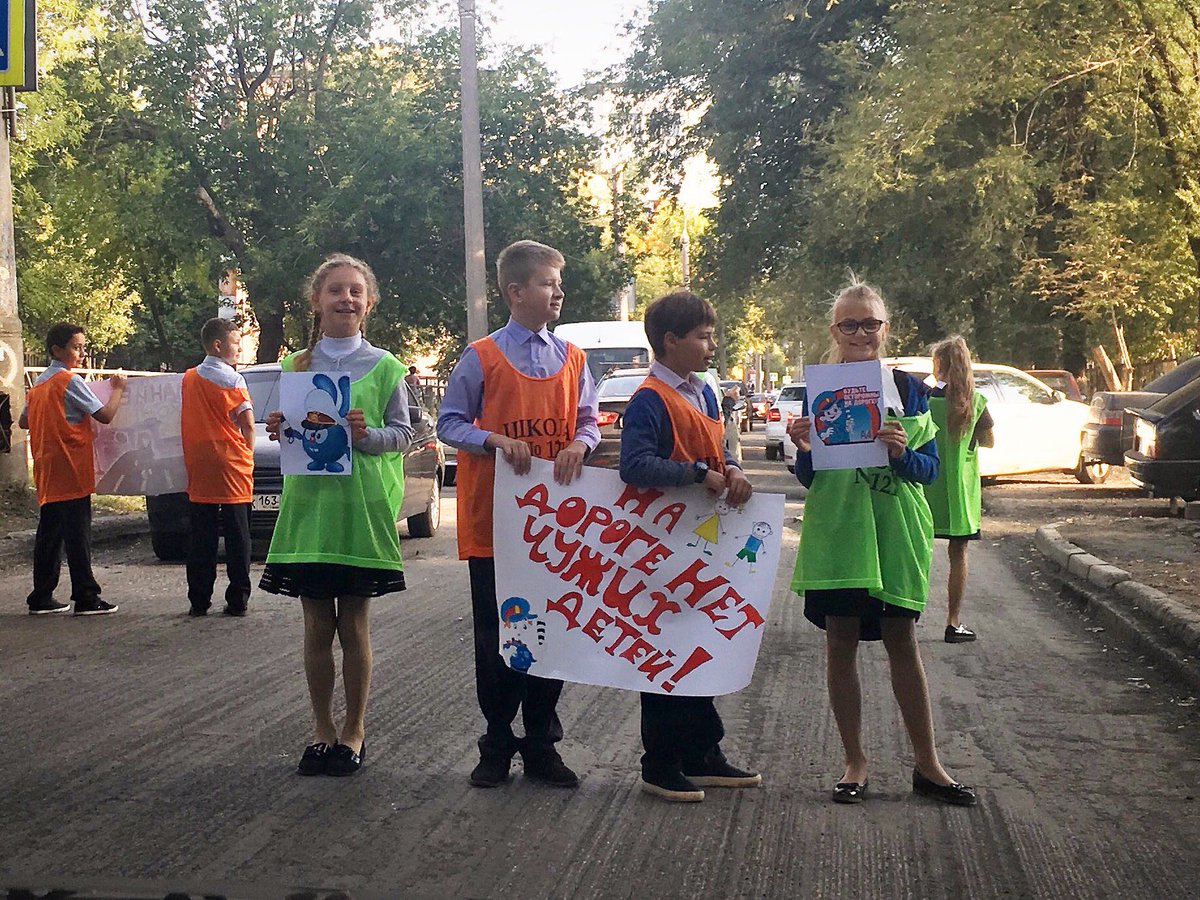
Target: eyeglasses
{"type": "Point", "coordinates": [868, 326]}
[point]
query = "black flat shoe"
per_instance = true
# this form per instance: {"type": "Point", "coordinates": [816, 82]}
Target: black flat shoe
{"type": "Point", "coordinates": [344, 761]}
{"type": "Point", "coordinates": [954, 793]}
{"type": "Point", "coordinates": [314, 759]}
{"type": "Point", "coordinates": [849, 791]}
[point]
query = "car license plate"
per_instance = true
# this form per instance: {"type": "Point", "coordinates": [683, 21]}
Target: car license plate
{"type": "Point", "coordinates": [265, 502]}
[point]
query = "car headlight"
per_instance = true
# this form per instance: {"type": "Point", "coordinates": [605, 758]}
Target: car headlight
{"type": "Point", "coordinates": [1147, 437]}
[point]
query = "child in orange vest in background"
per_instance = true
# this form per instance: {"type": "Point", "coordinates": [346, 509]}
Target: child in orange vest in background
{"type": "Point", "coordinates": [58, 413]}
{"type": "Point", "coordinates": [518, 377]}
{"type": "Point", "coordinates": [218, 451]}
{"type": "Point", "coordinates": [671, 437]}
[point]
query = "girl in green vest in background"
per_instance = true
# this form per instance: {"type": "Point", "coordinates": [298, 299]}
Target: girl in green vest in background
{"type": "Point", "coordinates": [963, 425]}
{"type": "Point", "coordinates": [865, 549]}
{"type": "Point", "coordinates": [335, 544]}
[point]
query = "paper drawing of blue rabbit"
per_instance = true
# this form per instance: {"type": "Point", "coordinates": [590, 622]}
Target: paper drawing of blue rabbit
{"type": "Point", "coordinates": [324, 439]}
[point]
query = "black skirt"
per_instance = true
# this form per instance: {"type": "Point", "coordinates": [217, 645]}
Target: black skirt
{"type": "Point", "coordinates": [957, 537]}
{"type": "Point", "coordinates": [328, 581]}
{"type": "Point", "coordinates": [854, 602]}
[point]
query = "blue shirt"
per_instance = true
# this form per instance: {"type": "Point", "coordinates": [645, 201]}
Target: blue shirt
{"type": "Point", "coordinates": [222, 374]}
{"type": "Point", "coordinates": [536, 354]}
{"type": "Point", "coordinates": [648, 440]}
{"type": "Point", "coordinates": [79, 402]}
{"type": "Point", "coordinates": [921, 465]}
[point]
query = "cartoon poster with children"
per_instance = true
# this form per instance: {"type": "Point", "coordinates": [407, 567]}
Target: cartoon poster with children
{"type": "Point", "coordinates": [141, 451]}
{"type": "Point", "coordinates": [314, 438]}
{"type": "Point", "coordinates": [658, 590]}
{"type": "Point", "coordinates": [845, 405]}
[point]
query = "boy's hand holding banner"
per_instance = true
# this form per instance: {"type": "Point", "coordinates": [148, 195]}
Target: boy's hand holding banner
{"type": "Point", "coordinates": [599, 582]}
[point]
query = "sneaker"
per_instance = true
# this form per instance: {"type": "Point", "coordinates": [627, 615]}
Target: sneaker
{"type": "Point", "coordinates": [717, 772]}
{"type": "Point", "coordinates": [195, 611]}
{"type": "Point", "coordinates": [547, 766]}
{"type": "Point", "coordinates": [95, 607]}
{"type": "Point", "coordinates": [491, 772]}
{"type": "Point", "coordinates": [45, 609]}
{"type": "Point", "coordinates": [957, 634]}
{"type": "Point", "coordinates": [238, 611]}
{"type": "Point", "coordinates": [672, 785]}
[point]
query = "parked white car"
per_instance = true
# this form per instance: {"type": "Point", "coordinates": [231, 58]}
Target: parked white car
{"type": "Point", "coordinates": [789, 403]}
{"type": "Point", "coordinates": [1037, 429]}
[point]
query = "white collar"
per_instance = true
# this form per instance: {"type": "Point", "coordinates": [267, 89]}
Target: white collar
{"type": "Point", "coordinates": [340, 347]}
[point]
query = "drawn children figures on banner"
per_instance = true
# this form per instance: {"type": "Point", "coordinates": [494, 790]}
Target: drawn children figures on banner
{"type": "Point", "coordinates": [708, 532]}
{"type": "Point", "coordinates": [315, 437]}
{"type": "Point", "coordinates": [612, 589]}
{"type": "Point", "coordinates": [754, 543]}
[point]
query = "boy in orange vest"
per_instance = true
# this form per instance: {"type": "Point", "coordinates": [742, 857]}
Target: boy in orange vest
{"type": "Point", "coordinates": [218, 451]}
{"type": "Point", "coordinates": [58, 413]}
{"type": "Point", "coordinates": [671, 437]}
{"type": "Point", "coordinates": [520, 392]}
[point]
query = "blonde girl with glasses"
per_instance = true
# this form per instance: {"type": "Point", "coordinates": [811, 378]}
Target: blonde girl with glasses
{"type": "Point", "coordinates": [865, 549]}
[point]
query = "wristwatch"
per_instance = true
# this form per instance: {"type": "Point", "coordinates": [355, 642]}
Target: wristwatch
{"type": "Point", "coordinates": [701, 469]}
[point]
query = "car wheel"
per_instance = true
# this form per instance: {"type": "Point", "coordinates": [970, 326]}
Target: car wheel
{"type": "Point", "coordinates": [772, 451]}
{"type": "Point", "coordinates": [1093, 472]}
{"type": "Point", "coordinates": [169, 546]}
{"type": "Point", "coordinates": [425, 524]}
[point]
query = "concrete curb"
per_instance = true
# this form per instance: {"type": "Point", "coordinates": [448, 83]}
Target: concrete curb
{"type": "Point", "coordinates": [17, 546]}
{"type": "Point", "coordinates": [1139, 607]}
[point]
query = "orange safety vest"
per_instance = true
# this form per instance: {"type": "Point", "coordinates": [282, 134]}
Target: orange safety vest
{"type": "Point", "coordinates": [63, 468]}
{"type": "Point", "coordinates": [220, 465]}
{"type": "Point", "coordinates": [539, 411]}
{"type": "Point", "coordinates": [697, 437]}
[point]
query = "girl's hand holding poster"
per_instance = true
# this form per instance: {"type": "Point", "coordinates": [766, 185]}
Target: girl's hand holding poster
{"type": "Point", "coordinates": [846, 407]}
{"type": "Point", "coordinates": [314, 438]}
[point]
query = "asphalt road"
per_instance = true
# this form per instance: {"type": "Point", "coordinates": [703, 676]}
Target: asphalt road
{"type": "Point", "coordinates": [148, 747]}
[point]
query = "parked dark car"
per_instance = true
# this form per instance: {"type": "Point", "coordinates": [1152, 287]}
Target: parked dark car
{"type": "Point", "coordinates": [1165, 457]}
{"type": "Point", "coordinates": [1060, 380]}
{"type": "Point", "coordinates": [424, 470]}
{"type": "Point", "coordinates": [1108, 432]}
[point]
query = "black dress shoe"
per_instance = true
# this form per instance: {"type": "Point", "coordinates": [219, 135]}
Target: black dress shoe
{"type": "Point", "coordinates": [312, 762]}
{"type": "Point", "coordinates": [849, 791]}
{"type": "Point", "coordinates": [344, 761]}
{"type": "Point", "coordinates": [954, 793]}
{"type": "Point", "coordinates": [957, 634]}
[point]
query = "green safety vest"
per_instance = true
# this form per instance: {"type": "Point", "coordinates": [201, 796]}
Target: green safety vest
{"type": "Point", "coordinates": [347, 519]}
{"type": "Point", "coordinates": [869, 528]}
{"type": "Point", "coordinates": [954, 499]}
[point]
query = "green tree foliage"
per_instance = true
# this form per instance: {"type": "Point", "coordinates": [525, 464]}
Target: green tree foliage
{"type": "Point", "coordinates": [1024, 173]}
{"type": "Point", "coordinates": [175, 139]}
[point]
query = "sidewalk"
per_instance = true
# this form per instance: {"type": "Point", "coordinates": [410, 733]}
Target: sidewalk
{"type": "Point", "coordinates": [113, 518]}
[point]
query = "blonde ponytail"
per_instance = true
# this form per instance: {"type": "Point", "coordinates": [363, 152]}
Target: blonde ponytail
{"type": "Point", "coordinates": [952, 365]}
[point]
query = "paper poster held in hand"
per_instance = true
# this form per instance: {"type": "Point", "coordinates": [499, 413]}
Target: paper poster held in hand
{"type": "Point", "coordinates": [314, 438]}
{"type": "Point", "coordinates": [141, 451]}
{"type": "Point", "coordinates": [846, 409]}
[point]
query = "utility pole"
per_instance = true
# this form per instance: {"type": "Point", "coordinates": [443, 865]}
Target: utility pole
{"type": "Point", "coordinates": [12, 350]}
{"type": "Point", "coordinates": [685, 264]}
{"type": "Point", "coordinates": [476, 267]}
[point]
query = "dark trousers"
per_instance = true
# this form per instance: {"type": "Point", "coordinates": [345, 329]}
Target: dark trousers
{"type": "Point", "coordinates": [678, 731]}
{"type": "Point", "coordinates": [502, 690]}
{"type": "Point", "coordinates": [202, 553]}
{"type": "Point", "coordinates": [65, 524]}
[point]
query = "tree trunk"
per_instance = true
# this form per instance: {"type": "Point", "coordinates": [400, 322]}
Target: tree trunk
{"type": "Point", "coordinates": [1106, 367]}
{"type": "Point", "coordinates": [270, 335]}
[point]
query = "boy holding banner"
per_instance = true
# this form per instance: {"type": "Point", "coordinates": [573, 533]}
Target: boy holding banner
{"type": "Point", "coordinates": [218, 450]}
{"type": "Point", "coordinates": [520, 392]}
{"type": "Point", "coordinates": [58, 413]}
{"type": "Point", "coordinates": [671, 437]}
